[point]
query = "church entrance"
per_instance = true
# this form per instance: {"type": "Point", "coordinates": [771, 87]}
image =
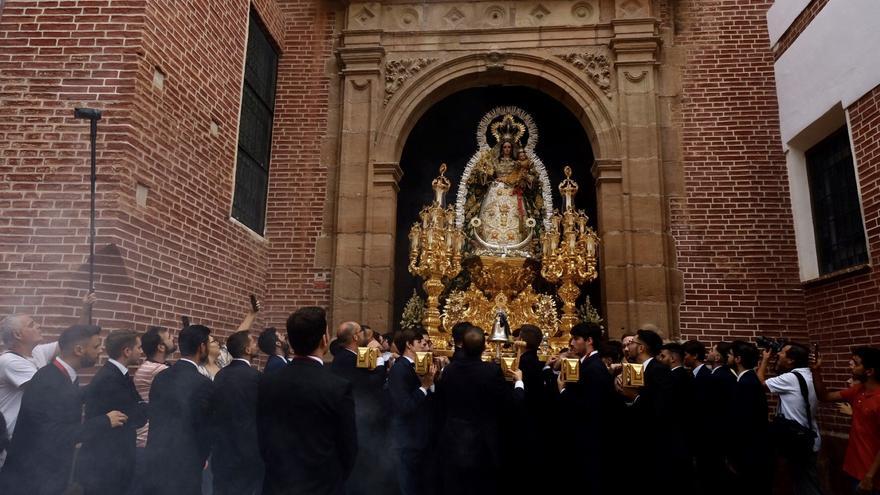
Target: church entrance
{"type": "Point", "coordinates": [446, 133]}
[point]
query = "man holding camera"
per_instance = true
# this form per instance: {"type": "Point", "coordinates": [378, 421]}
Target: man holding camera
{"type": "Point", "coordinates": [795, 429]}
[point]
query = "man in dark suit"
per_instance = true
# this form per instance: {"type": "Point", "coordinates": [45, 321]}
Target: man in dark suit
{"type": "Point", "coordinates": [411, 413]}
{"type": "Point", "coordinates": [106, 463]}
{"type": "Point", "coordinates": [457, 336]}
{"type": "Point", "coordinates": [273, 344]}
{"type": "Point", "coordinates": [750, 452]}
{"type": "Point", "coordinates": [679, 415]}
{"type": "Point", "coordinates": [50, 421]}
{"type": "Point", "coordinates": [367, 386]}
{"type": "Point", "coordinates": [593, 403]}
{"type": "Point", "coordinates": [181, 418]}
{"type": "Point", "coordinates": [722, 383]}
{"type": "Point", "coordinates": [650, 408]}
{"type": "Point", "coordinates": [694, 359]}
{"type": "Point", "coordinates": [236, 463]}
{"type": "Point", "coordinates": [473, 396]}
{"type": "Point", "coordinates": [305, 416]}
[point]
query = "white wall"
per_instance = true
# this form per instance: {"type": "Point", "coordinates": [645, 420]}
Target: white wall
{"type": "Point", "coordinates": [781, 15]}
{"type": "Point", "coordinates": [836, 60]}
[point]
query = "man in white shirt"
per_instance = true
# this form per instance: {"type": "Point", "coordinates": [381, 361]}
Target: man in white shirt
{"type": "Point", "coordinates": [793, 360]}
{"type": "Point", "coordinates": [24, 355]}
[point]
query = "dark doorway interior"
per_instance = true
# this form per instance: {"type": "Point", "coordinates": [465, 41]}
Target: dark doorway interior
{"type": "Point", "coordinates": [446, 133]}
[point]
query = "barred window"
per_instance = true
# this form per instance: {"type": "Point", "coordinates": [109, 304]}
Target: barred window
{"type": "Point", "coordinates": [837, 216]}
{"type": "Point", "coordinates": [255, 129]}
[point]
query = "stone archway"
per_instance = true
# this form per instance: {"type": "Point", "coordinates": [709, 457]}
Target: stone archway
{"type": "Point", "coordinates": [619, 115]}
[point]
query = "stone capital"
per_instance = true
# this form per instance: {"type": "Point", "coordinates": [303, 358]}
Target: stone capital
{"type": "Point", "coordinates": [636, 41]}
{"type": "Point", "coordinates": [607, 171]}
{"type": "Point", "coordinates": [361, 60]}
{"type": "Point", "coordinates": [387, 174]}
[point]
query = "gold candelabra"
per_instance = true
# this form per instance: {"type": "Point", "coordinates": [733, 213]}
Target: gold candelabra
{"type": "Point", "coordinates": [435, 246]}
{"type": "Point", "coordinates": [568, 253]}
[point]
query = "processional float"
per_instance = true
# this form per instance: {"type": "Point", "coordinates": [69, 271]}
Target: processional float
{"type": "Point", "coordinates": [499, 236]}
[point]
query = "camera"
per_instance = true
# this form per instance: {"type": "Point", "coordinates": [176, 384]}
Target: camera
{"type": "Point", "coordinates": [772, 344]}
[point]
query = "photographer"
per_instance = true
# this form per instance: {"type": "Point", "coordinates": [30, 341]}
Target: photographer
{"type": "Point", "coordinates": [795, 430]}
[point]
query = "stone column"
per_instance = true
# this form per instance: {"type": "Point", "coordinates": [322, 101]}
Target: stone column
{"type": "Point", "coordinates": [357, 240]}
{"type": "Point", "coordinates": [637, 252]}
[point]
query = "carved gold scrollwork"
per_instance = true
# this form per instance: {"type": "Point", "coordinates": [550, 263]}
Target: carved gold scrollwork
{"type": "Point", "coordinates": [398, 71]}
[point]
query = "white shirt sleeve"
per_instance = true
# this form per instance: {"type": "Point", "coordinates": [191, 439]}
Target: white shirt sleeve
{"type": "Point", "coordinates": [18, 371]}
{"type": "Point", "coordinates": [785, 383]}
{"type": "Point", "coordinates": [44, 353]}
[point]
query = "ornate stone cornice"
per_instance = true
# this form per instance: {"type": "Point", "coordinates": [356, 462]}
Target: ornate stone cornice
{"type": "Point", "coordinates": [387, 174]}
{"type": "Point", "coordinates": [594, 65]}
{"type": "Point", "coordinates": [398, 71]}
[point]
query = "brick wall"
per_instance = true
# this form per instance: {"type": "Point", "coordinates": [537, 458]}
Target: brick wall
{"type": "Point", "coordinates": [845, 311]}
{"type": "Point", "coordinates": [732, 228]}
{"type": "Point", "coordinates": [180, 253]}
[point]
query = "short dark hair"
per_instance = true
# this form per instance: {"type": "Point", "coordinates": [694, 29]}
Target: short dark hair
{"type": "Point", "coordinates": [191, 338]}
{"type": "Point", "coordinates": [458, 331]}
{"type": "Point", "coordinates": [267, 340]}
{"type": "Point", "coordinates": [76, 334]}
{"type": "Point", "coordinates": [674, 348]}
{"type": "Point", "coordinates": [612, 349]}
{"type": "Point", "coordinates": [150, 341]}
{"type": "Point", "coordinates": [746, 352]}
{"type": "Point", "coordinates": [237, 343]}
{"type": "Point", "coordinates": [695, 348]}
{"type": "Point", "coordinates": [870, 357]}
{"type": "Point", "coordinates": [531, 335]}
{"type": "Point", "coordinates": [473, 342]}
{"type": "Point", "coordinates": [404, 337]}
{"type": "Point", "coordinates": [651, 339]}
{"type": "Point", "coordinates": [588, 330]}
{"type": "Point", "coordinates": [799, 354]}
{"type": "Point", "coordinates": [118, 340]}
{"type": "Point", "coordinates": [724, 348]}
{"type": "Point", "coordinates": [305, 329]}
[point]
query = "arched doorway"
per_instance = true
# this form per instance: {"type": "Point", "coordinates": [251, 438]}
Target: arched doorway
{"type": "Point", "coordinates": [445, 133]}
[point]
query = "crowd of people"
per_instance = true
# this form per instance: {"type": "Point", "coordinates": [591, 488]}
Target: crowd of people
{"type": "Point", "coordinates": [314, 422]}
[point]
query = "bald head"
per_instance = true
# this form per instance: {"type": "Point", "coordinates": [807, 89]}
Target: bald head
{"type": "Point", "coordinates": [346, 333]}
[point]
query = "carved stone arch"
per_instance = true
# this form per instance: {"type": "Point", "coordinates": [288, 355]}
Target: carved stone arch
{"type": "Point", "coordinates": [578, 93]}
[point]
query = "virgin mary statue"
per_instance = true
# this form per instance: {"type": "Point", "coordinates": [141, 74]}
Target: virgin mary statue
{"type": "Point", "coordinates": [504, 207]}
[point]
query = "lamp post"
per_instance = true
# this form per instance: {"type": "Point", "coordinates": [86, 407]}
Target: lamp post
{"type": "Point", "coordinates": [93, 115]}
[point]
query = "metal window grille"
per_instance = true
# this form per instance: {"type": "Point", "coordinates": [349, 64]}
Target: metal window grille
{"type": "Point", "coordinates": [255, 129]}
{"type": "Point", "coordinates": [837, 216]}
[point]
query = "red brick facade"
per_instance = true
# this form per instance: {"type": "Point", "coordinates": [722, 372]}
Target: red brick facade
{"type": "Point", "coordinates": [179, 254]}
{"type": "Point", "coordinates": [733, 228]}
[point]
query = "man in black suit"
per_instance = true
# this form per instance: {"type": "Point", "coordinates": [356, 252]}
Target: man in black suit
{"type": "Point", "coordinates": [181, 418]}
{"type": "Point", "coordinates": [457, 332]}
{"type": "Point", "coordinates": [650, 408]}
{"type": "Point", "coordinates": [694, 359]}
{"type": "Point", "coordinates": [305, 416]}
{"type": "Point", "coordinates": [750, 452]}
{"type": "Point", "coordinates": [473, 396]}
{"type": "Point", "coordinates": [593, 403]}
{"type": "Point", "coordinates": [273, 344]}
{"type": "Point", "coordinates": [50, 420]}
{"type": "Point", "coordinates": [236, 463]}
{"type": "Point", "coordinates": [680, 415]}
{"type": "Point", "coordinates": [411, 413]}
{"type": "Point", "coordinates": [106, 463]}
{"type": "Point", "coordinates": [367, 388]}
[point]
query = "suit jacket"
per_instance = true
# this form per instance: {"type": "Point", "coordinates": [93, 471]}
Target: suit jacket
{"type": "Point", "coordinates": [49, 426]}
{"type": "Point", "coordinates": [366, 386]}
{"type": "Point", "coordinates": [106, 463]}
{"type": "Point", "coordinates": [411, 409]}
{"type": "Point", "coordinates": [473, 396]}
{"type": "Point", "coordinates": [236, 447]}
{"type": "Point", "coordinates": [274, 363]}
{"type": "Point", "coordinates": [722, 383]}
{"type": "Point", "coordinates": [181, 423]}
{"type": "Point", "coordinates": [749, 422]}
{"type": "Point", "coordinates": [652, 404]}
{"type": "Point", "coordinates": [307, 432]}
